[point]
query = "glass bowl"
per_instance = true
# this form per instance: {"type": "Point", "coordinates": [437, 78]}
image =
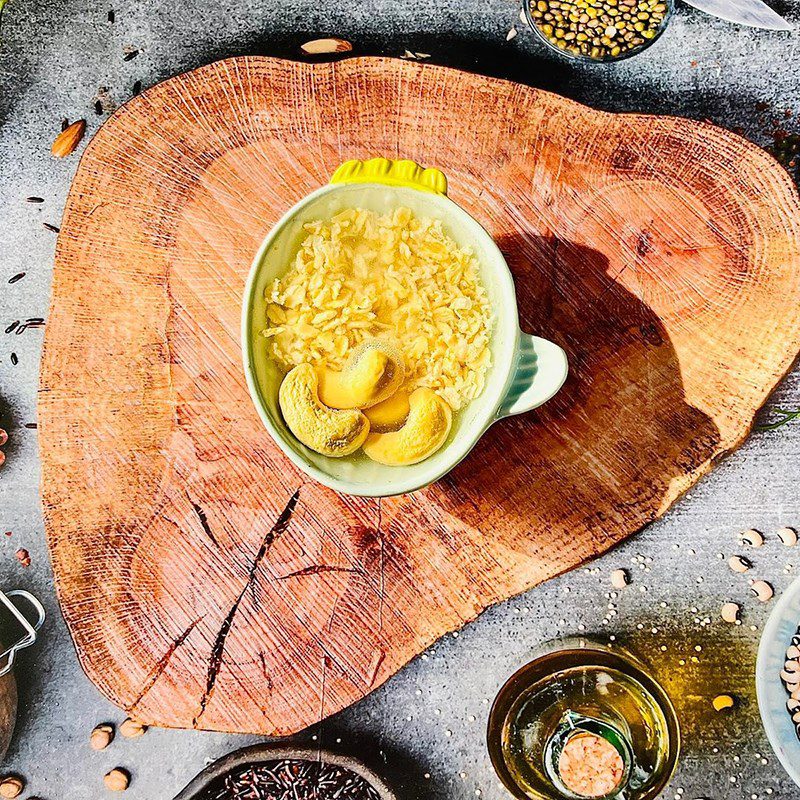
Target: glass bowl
{"type": "Point", "coordinates": [526, 7]}
{"type": "Point", "coordinates": [513, 731]}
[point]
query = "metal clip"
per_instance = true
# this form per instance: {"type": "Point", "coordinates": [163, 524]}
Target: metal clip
{"type": "Point", "coordinates": [8, 655]}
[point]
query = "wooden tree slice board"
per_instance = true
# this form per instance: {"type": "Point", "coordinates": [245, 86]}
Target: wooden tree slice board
{"type": "Point", "coordinates": [206, 582]}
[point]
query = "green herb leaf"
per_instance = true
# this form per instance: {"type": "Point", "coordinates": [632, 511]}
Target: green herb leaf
{"type": "Point", "coordinates": [787, 415]}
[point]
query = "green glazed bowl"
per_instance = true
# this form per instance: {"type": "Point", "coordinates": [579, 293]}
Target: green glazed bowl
{"type": "Point", "coordinates": [526, 370]}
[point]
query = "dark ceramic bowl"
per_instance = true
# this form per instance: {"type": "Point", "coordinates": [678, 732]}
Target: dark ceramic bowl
{"type": "Point", "coordinates": [266, 753]}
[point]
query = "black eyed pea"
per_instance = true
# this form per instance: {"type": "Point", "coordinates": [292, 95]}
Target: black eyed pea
{"type": "Point", "coordinates": [762, 591]}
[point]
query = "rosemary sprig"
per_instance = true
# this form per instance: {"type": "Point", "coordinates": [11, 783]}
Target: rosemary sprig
{"type": "Point", "coordinates": [787, 415]}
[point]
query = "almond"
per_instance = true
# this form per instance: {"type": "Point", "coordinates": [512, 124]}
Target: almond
{"type": "Point", "coordinates": [319, 46]}
{"type": "Point", "coordinates": [66, 141]}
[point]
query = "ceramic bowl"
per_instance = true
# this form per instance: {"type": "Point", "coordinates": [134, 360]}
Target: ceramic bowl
{"type": "Point", "coordinates": [526, 370]}
{"type": "Point", "coordinates": [262, 753]}
{"type": "Point", "coordinates": [776, 637]}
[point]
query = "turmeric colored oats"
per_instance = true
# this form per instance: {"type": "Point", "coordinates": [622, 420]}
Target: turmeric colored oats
{"type": "Point", "coordinates": [396, 277]}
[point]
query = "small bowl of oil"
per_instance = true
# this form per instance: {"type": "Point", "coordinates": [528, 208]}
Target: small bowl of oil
{"type": "Point", "coordinates": [583, 721]}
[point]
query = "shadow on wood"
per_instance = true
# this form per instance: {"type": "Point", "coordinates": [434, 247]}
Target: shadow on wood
{"type": "Point", "coordinates": [620, 429]}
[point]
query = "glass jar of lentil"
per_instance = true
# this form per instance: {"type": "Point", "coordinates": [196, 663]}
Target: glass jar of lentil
{"type": "Point", "coordinates": [598, 30]}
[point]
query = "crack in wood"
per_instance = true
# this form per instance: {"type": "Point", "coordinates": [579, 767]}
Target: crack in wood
{"type": "Point", "coordinates": [218, 649]}
{"type": "Point", "coordinates": [201, 515]}
{"type": "Point", "coordinates": [162, 664]}
{"type": "Point", "coordinates": [316, 569]}
{"type": "Point", "coordinates": [375, 665]}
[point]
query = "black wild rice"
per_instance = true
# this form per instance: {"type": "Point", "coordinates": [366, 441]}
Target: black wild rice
{"type": "Point", "coordinates": [137, 88]}
{"type": "Point", "coordinates": [18, 277]}
{"type": "Point", "coordinates": [51, 227]}
{"type": "Point", "coordinates": [12, 326]}
{"type": "Point", "coordinates": [111, 15]}
{"type": "Point", "coordinates": [292, 779]}
{"type": "Point", "coordinates": [34, 199]}
{"type": "Point", "coordinates": [14, 359]}
{"type": "Point", "coordinates": [130, 54]}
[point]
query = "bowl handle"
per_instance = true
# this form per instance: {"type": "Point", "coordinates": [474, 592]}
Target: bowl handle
{"type": "Point", "coordinates": [403, 172]}
{"type": "Point", "coordinates": [540, 370]}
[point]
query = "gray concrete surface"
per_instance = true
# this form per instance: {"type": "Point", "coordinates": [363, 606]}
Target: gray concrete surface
{"type": "Point", "coordinates": [425, 728]}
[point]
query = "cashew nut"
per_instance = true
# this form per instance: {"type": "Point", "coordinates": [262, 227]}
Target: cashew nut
{"type": "Point", "coordinates": [389, 414]}
{"type": "Point", "coordinates": [325, 430]}
{"type": "Point", "coordinates": [372, 374]}
{"type": "Point", "coordinates": [424, 432]}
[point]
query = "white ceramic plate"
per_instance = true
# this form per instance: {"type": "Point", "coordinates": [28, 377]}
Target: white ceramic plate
{"type": "Point", "coordinates": [777, 636]}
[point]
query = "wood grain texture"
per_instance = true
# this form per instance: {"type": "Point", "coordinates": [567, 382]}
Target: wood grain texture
{"type": "Point", "coordinates": [205, 581]}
